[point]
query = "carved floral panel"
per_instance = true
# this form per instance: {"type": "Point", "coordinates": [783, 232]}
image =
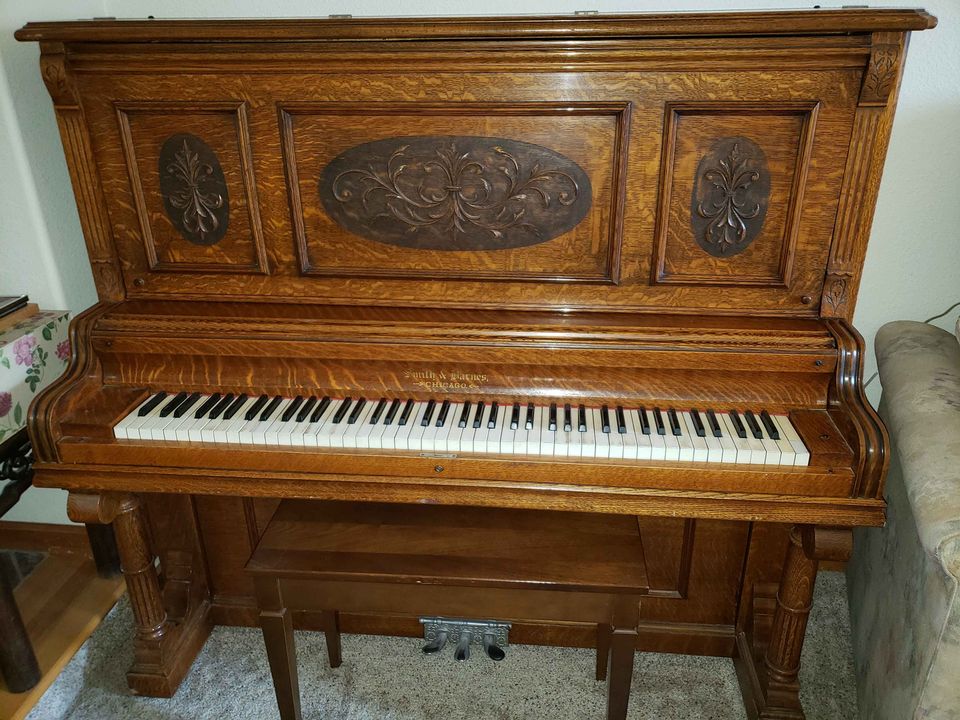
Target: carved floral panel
{"type": "Point", "coordinates": [730, 196]}
{"type": "Point", "coordinates": [455, 192]}
{"type": "Point", "coordinates": [194, 189]}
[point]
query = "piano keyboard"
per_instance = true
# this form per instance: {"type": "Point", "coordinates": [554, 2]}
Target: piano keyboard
{"type": "Point", "coordinates": [444, 426]}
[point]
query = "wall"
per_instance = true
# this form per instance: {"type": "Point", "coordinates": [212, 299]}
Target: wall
{"type": "Point", "coordinates": [912, 265]}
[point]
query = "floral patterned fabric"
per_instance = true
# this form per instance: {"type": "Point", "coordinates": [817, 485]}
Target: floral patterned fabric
{"type": "Point", "coordinates": [33, 353]}
{"type": "Point", "coordinates": [903, 579]}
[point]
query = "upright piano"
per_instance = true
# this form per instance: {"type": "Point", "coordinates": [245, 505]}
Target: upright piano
{"type": "Point", "coordinates": [598, 263]}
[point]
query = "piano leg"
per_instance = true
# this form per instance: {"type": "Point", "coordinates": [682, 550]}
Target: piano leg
{"type": "Point", "coordinates": [163, 650]}
{"type": "Point", "coordinates": [773, 689]}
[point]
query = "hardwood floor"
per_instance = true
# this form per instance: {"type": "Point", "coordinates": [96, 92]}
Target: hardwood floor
{"type": "Point", "coordinates": [62, 602]}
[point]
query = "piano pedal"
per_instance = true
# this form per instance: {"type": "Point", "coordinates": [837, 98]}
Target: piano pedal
{"type": "Point", "coordinates": [493, 636]}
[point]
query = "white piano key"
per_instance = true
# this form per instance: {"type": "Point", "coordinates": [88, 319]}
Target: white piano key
{"type": "Point", "coordinates": [140, 430]}
{"type": "Point", "coordinates": [787, 430]}
{"type": "Point", "coordinates": [770, 447]}
{"type": "Point", "coordinates": [616, 439]}
{"type": "Point", "coordinates": [690, 430]}
{"type": "Point", "coordinates": [714, 444]}
{"type": "Point", "coordinates": [351, 437]}
{"type": "Point", "coordinates": [601, 440]}
{"type": "Point", "coordinates": [277, 427]}
{"type": "Point", "coordinates": [123, 429]}
{"type": "Point", "coordinates": [630, 439]}
{"type": "Point", "coordinates": [684, 440]}
{"type": "Point", "coordinates": [727, 445]}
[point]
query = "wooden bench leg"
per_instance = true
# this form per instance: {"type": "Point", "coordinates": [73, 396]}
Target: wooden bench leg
{"type": "Point", "coordinates": [277, 626]}
{"type": "Point", "coordinates": [623, 644]}
{"type": "Point", "coordinates": [331, 629]}
{"type": "Point", "coordinates": [604, 632]}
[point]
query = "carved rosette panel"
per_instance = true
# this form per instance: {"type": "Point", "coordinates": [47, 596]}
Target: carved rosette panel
{"type": "Point", "coordinates": [455, 192]}
{"type": "Point", "coordinates": [730, 196]}
{"type": "Point", "coordinates": [194, 189]}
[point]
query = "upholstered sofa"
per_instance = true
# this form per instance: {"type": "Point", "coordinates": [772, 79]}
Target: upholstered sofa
{"type": "Point", "coordinates": [903, 578]}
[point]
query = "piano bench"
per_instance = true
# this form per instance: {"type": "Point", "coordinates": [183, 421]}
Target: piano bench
{"type": "Point", "coordinates": [426, 560]}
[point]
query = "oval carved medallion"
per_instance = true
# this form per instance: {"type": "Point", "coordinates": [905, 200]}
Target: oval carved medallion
{"type": "Point", "coordinates": [456, 192]}
{"type": "Point", "coordinates": [730, 196]}
{"type": "Point", "coordinates": [194, 189]}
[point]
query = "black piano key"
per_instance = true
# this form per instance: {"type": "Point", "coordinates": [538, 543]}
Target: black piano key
{"type": "Point", "coordinates": [342, 410]}
{"type": "Point", "coordinates": [271, 408]}
{"type": "Point", "coordinates": [605, 418]}
{"type": "Point", "coordinates": [737, 425]}
{"type": "Point", "coordinates": [582, 418]}
{"type": "Point", "coordinates": [658, 421]}
{"type": "Point", "coordinates": [206, 405]}
{"type": "Point", "coordinates": [307, 407]}
{"type": "Point", "coordinates": [767, 421]}
{"type": "Point", "coordinates": [714, 424]}
{"type": "Point", "coordinates": [256, 407]}
{"type": "Point", "coordinates": [428, 413]}
{"type": "Point", "coordinates": [378, 411]}
{"type": "Point", "coordinates": [644, 421]}
{"type": "Point", "coordinates": [567, 418]}
{"type": "Point", "coordinates": [698, 424]}
{"type": "Point", "coordinates": [224, 403]}
{"type": "Point", "coordinates": [355, 415]}
{"type": "Point", "coordinates": [291, 409]}
{"type": "Point", "coordinates": [552, 424]}
{"type": "Point", "coordinates": [444, 411]}
{"type": "Point", "coordinates": [187, 404]}
{"type": "Point", "coordinates": [320, 409]}
{"type": "Point", "coordinates": [492, 420]}
{"type": "Point", "coordinates": [674, 423]}
{"type": "Point", "coordinates": [392, 412]}
{"type": "Point", "coordinates": [234, 407]}
{"type": "Point", "coordinates": [528, 425]}
{"type": "Point", "coordinates": [153, 402]}
{"type": "Point", "coordinates": [515, 417]}
{"type": "Point", "coordinates": [173, 404]}
{"type": "Point", "coordinates": [621, 420]}
{"type": "Point", "coordinates": [464, 415]}
{"type": "Point", "coordinates": [478, 415]}
{"type": "Point", "coordinates": [753, 425]}
{"type": "Point", "coordinates": [405, 415]}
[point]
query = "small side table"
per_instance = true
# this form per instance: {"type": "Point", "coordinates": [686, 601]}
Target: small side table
{"type": "Point", "coordinates": [34, 351]}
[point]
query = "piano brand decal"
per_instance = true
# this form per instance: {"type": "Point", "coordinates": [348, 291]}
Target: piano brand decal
{"type": "Point", "coordinates": [455, 192]}
{"type": "Point", "coordinates": [194, 189]}
{"type": "Point", "coordinates": [730, 195]}
{"type": "Point", "coordinates": [444, 381]}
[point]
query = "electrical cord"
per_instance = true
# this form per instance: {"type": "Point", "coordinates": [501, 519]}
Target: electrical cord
{"type": "Point", "coordinates": [925, 322]}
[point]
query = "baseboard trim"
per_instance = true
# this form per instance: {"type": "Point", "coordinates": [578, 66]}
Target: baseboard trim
{"type": "Point", "coordinates": [44, 537]}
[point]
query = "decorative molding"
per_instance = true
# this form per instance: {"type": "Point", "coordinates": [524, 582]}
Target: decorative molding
{"type": "Point", "coordinates": [455, 192]}
{"type": "Point", "coordinates": [194, 189]}
{"type": "Point", "coordinates": [730, 196]}
{"type": "Point", "coordinates": [881, 74]}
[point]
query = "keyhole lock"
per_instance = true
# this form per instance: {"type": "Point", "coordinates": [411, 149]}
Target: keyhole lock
{"type": "Point", "coordinates": [438, 468]}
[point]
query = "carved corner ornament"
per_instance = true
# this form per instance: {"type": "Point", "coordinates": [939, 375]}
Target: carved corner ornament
{"type": "Point", "coordinates": [881, 74]}
{"type": "Point", "coordinates": [194, 189]}
{"type": "Point", "coordinates": [730, 195]}
{"type": "Point", "coordinates": [53, 70]}
{"type": "Point", "coordinates": [835, 295]}
{"type": "Point", "coordinates": [455, 192]}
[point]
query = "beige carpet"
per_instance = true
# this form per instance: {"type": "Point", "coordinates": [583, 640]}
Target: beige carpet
{"type": "Point", "coordinates": [389, 679]}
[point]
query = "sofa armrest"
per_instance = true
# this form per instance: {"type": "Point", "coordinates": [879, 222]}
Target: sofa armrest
{"type": "Point", "coordinates": [920, 372]}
